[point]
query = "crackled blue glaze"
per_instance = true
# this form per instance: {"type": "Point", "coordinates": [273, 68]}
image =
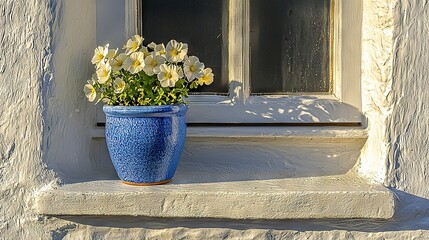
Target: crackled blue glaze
{"type": "Point", "coordinates": [145, 142]}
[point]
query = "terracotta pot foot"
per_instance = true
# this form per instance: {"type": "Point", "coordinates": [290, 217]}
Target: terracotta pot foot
{"type": "Point", "coordinates": [147, 184]}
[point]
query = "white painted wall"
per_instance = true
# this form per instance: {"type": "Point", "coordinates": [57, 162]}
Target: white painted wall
{"type": "Point", "coordinates": [395, 82]}
{"type": "Point", "coordinates": [45, 51]}
{"type": "Point", "coordinates": [25, 69]}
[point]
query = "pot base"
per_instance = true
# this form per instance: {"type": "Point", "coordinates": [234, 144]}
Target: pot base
{"type": "Point", "coordinates": [147, 184]}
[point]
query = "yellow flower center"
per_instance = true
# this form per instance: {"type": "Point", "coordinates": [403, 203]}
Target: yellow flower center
{"type": "Point", "coordinates": [134, 46]}
{"type": "Point", "coordinates": [100, 56]}
{"type": "Point", "coordinates": [168, 75]}
{"type": "Point", "coordinates": [192, 68]}
{"type": "Point", "coordinates": [153, 63]}
{"type": "Point", "coordinates": [174, 52]}
{"type": "Point", "coordinates": [136, 63]}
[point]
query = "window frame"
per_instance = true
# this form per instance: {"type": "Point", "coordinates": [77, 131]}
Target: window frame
{"type": "Point", "coordinates": [340, 107]}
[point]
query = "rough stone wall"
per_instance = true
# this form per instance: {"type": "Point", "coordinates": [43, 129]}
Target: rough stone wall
{"type": "Point", "coordinates": [25, 57]}
{"type": "Point", "coordinates": [44, 57]}
{"type": "Point", "coordinates": [408, 124]}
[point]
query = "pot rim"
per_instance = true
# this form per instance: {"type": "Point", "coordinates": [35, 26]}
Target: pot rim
{"type": "Point", "coordinates": [145, 111]}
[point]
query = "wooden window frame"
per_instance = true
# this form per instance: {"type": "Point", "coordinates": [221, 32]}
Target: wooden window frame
{"type": "Point", "coordinates": [342, 106]}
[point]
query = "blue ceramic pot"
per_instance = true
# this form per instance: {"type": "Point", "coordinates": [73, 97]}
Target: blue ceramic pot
{"type": "Point", "coordinates": [145, 142]}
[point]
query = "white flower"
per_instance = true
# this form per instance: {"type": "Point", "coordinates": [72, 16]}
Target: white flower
{"type": "Point", "coordinates": [90, 92]}
{"type": "Point", "coordinates": [119, 85]}
{"type": "Point", "coordinates": [145, 51]}
{"type": "Point", "coordinates": [133, 44]}
{"type": "Point", "coordinates": [193, 68]}
{"type": "Point", "coordinates": [152, 63]}
{"type": "Point", "coordinates": [180, 72]}
{"type": "Point", "coordinates": [117, 63]}
{"type": "Point", "coordinates": [93, 79]}
{"type": "Point", "coordinates": [151, 45]}
{"type": "Point", "coordinates": [103, 72]}
{"type": "Point", "coordinates": [112, 53]}
{"type": "Point", "coordinates": [160, 50]}
{"type": "Point", "coordinates": [135, 62]}
{"type": "Point", "coordinates": [100, 54]}
{"type": "Point", "coordinates": [176, 51]}
{"type": "Point", "coordinates": [168, 75]}
{"type": "Point", "coordinates": [207, 77]}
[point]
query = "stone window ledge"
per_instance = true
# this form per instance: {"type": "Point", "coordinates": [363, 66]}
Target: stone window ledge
{"type": "Point", "coordinates": [336, 197]}
{"type": "Point", "coordinates": [293, 173]}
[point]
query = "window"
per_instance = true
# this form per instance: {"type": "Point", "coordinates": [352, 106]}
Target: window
{"type": "Point", "coordinates": [203, 25]}
{"type": "Point", "coordinates": [276, 61]}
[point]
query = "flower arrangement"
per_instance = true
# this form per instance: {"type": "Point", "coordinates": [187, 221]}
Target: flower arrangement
{"type": "Point", "coordinates": [149, 75]}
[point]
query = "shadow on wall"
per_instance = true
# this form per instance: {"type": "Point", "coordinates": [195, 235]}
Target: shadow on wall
{"type": "Point", "coordinates": [250, 159]}
{"type": "Point", "coordinates": [295, 108]}
{"type": "Point", "coordinates": [412, 214]}
{"type": "Point", "coordinates": [226, 160]}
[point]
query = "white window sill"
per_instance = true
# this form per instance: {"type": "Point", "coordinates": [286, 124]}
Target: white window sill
{"type": "Point", "coordinates": [297, 132]}
{"type": "Point", "coordinates": [313, 180]}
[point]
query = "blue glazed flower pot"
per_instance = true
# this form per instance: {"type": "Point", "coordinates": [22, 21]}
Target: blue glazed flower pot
{"type": "Point", "coordinates": [145, 142]}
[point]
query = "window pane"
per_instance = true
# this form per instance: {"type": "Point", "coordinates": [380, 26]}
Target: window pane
{"type": "Point", "coordinates": [289, 46]}
{"type": "Point", "coordinates": [199, 23]}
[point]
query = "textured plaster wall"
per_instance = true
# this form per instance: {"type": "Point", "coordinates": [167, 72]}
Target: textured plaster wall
{"type": "Point", "coordinates": [25, 63]}
{"type": "Point", "coordinates": [68, 115]}
{"type": "Point", "coordinates": [377, 102]}
{"type": "Point", "coordinates": [408, 123]}
{"type": "Point", "coordinates": [396, 99]}
{"type": "Point", "coordinates": [45, 49]}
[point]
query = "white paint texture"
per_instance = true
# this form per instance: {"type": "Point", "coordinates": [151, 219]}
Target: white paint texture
{"type": "Point", "coordinates": [408, 123]}
{"type": "Point", "coordinates": [377, 60]}
{"type": "Point", "coordinates": [24, 68]}
{"type": "Point", "coordinates": [68, 113]}
{"type": "Point", "coordinates": [45, 49]}
{"type": "Point", "coordinates": [395, 82]}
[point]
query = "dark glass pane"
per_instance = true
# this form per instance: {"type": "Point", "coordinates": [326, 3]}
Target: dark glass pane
{"type": "Point", "coordinates": [199, 23]}
{"type": "Point", "coordinates": [290, 46]}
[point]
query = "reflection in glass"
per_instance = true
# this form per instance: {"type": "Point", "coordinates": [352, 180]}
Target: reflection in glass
{"type": "Point", "coordinates": [199, 23]}
{"type": "Point", "coordinates": [289, 46]}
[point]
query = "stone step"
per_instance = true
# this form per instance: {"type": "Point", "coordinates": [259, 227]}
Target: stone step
{"type": "Point", "coordinates": [338, 197]}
